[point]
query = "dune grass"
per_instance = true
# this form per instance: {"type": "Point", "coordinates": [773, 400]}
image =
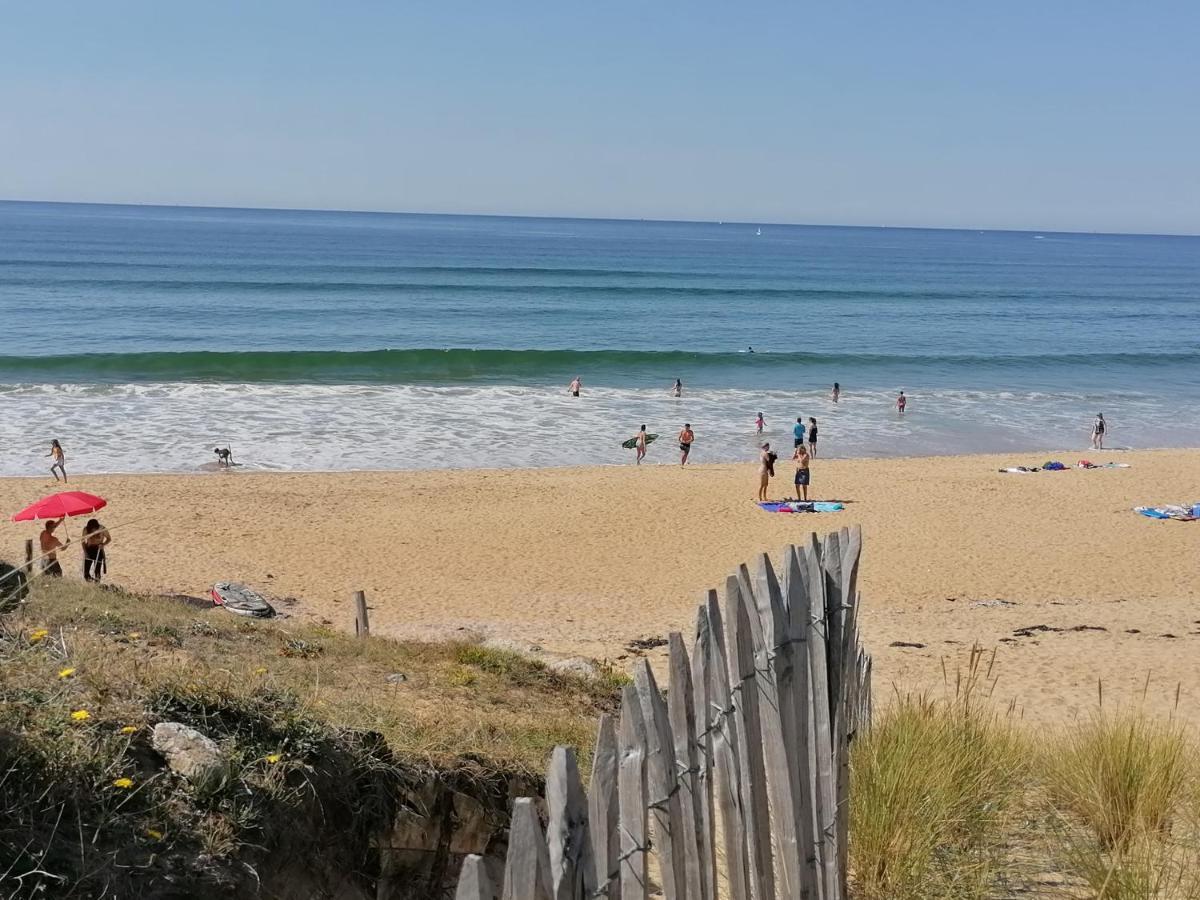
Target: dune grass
{"type": "Point", "coordinates": [950, 799]}
{"type": "Point", "coordinates": [323, 734]}
{"type": "Point", "coordinates": [1124, 791]}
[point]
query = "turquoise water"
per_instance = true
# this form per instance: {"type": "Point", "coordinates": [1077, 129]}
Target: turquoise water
{"type": "Point", "coordinates": [143, 336]}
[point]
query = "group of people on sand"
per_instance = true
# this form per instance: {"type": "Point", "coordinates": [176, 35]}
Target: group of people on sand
{"type": "Point", "coordinates": [95, 539]}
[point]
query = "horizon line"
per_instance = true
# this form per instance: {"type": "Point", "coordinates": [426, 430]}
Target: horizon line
{"type": "Point", "coordinates": [666, 221]}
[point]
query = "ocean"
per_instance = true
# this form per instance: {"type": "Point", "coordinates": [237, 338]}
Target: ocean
{"type": "Point", "coordinates": [142, 337]}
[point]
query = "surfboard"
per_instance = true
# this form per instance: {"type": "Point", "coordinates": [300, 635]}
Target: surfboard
{"type": "Point", "coordinates": [237, 598]}
{"type": "Point", "coordinates": [632, 442]}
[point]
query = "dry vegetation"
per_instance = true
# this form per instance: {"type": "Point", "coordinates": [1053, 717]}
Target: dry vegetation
{"type": "Point", "coordinates": [952, 800]}
{"type": "Point", "coordinates": [323, 733]}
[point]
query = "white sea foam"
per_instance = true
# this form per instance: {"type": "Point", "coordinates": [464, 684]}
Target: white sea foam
{"type": "Point", "coordinates": [173, 427]}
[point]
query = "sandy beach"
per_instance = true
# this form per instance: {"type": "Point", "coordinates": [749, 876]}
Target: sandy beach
{"type": "Point", "coordinates": [584, 560]}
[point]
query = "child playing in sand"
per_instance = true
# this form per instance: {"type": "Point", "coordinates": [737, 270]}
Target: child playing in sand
{"type": "Point", "coordinates": [60, 461]}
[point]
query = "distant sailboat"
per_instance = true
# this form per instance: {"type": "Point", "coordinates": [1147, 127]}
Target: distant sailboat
{"type": "Point", "coordinates": [759, 232]}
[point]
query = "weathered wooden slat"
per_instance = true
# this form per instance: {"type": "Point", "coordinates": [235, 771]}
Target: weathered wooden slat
{"type": "Point", "coordinates": [822, 735]}
{"type": "Point", "coordinates": [774, 653]}
{"type": "Point", "coordinates": [666, 815]}
{"type": "Point", "coordinates": [724, 731]}
{"type": "Point", "coordinates": [803, 757]}
{"type": "Point", "coordinates": [744, 688]}
{"type": "Point", "coordinates": [527, 867]}
{"type": "Point", "coordinates": [705, 772]}
{"type": "Point", "coordinates": [602, 810]}
{"type": "Point", "coordinates": [473, 881]}
{"type": "Point", "coordinates": [572, 872]}
{"type": "Point", "coordinates": [631, 793]}
{"type": "Point", "coordinates": [681, 714]}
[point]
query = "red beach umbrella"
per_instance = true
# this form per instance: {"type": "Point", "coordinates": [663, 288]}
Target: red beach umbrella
{"type": "Point", "coordinates": [56, 506]}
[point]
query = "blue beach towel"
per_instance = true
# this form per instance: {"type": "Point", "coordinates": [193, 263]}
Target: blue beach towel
{"type": "Point", "coordinates": [1182, 513]}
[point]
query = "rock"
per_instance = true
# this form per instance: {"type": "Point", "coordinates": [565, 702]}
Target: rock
{"type": "Point", "coordinates": [188, 752]}
{"type": "Point", "coordinates": [575, 665]}
{"type": "Point", "coordinates": [396, 678]}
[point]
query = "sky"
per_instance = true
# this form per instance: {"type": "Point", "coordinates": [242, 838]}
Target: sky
{"type": "Point", "coordinates": [1076, 115]}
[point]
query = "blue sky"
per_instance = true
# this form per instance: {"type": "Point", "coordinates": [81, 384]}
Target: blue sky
{"type": "Point", "coordinates": [1070, 115]}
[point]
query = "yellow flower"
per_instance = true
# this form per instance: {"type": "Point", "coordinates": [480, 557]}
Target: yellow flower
{"type": "Point", "coordinates": [273, 758]}
{"type": "Point", "coordinates": [66, 673]}
{"type": "Point", "coordinates": [81, 715]}
{"type": "Point", "coordinates": [129, 729]}
{"type": "Point", "coordinates": [39, 635]}
{"type": "Point", "coordinates": [261, 670]}
{"type": "Point", "coordinates": [123, 783]}
{"type": "Point", "coordinates": [154, 834]}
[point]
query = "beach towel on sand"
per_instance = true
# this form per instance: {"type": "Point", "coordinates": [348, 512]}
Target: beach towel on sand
{"type": "Point", "coordinates": [1186, 512]}
{"type": "Point", "coordinates": [795, 506]}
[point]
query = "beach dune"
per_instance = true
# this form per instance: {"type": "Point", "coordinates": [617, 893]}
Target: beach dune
{"type": "Point", "coordinates": [584, 560]}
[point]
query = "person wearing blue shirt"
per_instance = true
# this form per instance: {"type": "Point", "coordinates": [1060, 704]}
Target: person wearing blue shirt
{"type": "Point", "coordinates": [798, 431]}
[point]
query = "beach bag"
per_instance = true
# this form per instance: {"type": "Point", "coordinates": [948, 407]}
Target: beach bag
{"type": "Point", "coordinates": [1054, 466]}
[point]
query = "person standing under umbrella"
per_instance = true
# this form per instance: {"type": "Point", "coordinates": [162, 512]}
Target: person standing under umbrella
{"type": "Point", "coordinates": [50, 546]}
{"type": "Point", "coordinates": [60, 461]}
{"type": "Point", "coordinates": [95, 539]}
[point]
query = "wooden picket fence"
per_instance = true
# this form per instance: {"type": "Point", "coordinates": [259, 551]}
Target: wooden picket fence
{"type": "Point", "coordinates": [737, 783]}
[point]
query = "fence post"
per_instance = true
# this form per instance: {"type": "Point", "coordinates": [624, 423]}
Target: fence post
{"type": "Point", "coordinates": [362, 625]}
{"type": "Point", "coordinates": [28, 557]}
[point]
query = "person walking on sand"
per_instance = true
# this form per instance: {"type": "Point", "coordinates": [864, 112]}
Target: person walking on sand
{"type": "Point", "coordinates": [802, 459]}
{"type": "Point", "coordinates": [759, 424]}
{"type": "Point", "coordinates": [1099, 429]}
{"type": "Point", "coordinates": [95, 539]}
{"type": "Point", "coordinates": [837, 392]}
{"type": "Point", "coordinates": [59, 463]}
{"type": "Point", "coordinates": [50, 545]}
{"type": "Point", "coordinates": [798, 432]}
{"type": "Point", "coordinates": [812, 437]}
{"type": "Point", "coordinates": [766, 468]}
{"type": "Point", "coordinates": [641, 445]}
{"type": "Point", "coordinates": [574, 386]}
{"type": "Point", "coordinates": [901, 402]}
{"type": "Point", "coordinates": [677, 389]}
{"type": "Point", "coordinates": [686, 436]}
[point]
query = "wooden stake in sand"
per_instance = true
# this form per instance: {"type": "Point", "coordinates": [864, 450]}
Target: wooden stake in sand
{"type": "Point", "coordinates": [362, 626]}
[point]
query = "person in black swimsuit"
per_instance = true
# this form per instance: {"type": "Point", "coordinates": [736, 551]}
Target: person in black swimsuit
{"type": "Point", "coordinates": [812, 437]}
{"type": "Point", "coordinates": [95, 539]}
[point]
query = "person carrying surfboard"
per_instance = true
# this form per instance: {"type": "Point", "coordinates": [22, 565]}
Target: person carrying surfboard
{"type": "Point", "coordinates": [686, 436]}
{"type": "Point", "coordinates": [641, 445]}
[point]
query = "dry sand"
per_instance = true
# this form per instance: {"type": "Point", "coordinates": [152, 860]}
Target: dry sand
{"type": "Point", "coordinates": [581, 561]}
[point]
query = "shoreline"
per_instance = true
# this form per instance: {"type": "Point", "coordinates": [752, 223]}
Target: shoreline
{"type": "Point", "coordinates": [244, 469]}
{"type": "Point", "coordinates": [583, 560]}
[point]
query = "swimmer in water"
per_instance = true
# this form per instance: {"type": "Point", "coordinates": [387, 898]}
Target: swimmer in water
{"type": "Point", "coordinates": [759, 424]}
{"type": "Point", "coordinates": [574, 386]}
